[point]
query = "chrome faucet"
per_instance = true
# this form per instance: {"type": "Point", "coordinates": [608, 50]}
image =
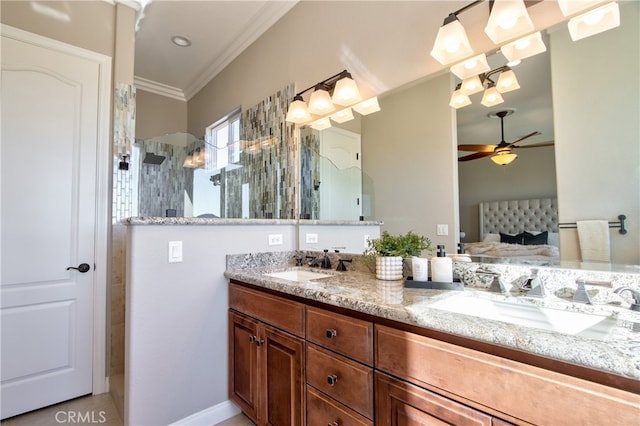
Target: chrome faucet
{"type": "Point", "coordinates": [581, 295]}
{"type": "Point", "coordinates": [635, 295]}
{"type": "Point", "coordinates": [534, 283]}
{"type": "Point", "coordinates": [496, 284]}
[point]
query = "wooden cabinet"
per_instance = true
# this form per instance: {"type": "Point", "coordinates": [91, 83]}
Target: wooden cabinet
{"type": "Point", "coordinates": [266, 364]}
{"type": "Point", "coordinates": [401, 403]}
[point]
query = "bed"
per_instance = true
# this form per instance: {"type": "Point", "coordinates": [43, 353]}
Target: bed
{"type": "Point", "coordinates": [520, 230]}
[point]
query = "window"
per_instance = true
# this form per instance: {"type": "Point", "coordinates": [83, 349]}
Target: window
{"type": "Point", "coordinates": [223, 142]}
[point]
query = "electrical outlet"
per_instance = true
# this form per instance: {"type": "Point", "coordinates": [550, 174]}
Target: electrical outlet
{"type": "Point", "coordinates": [442, 229]}
{"type": "Point", "coordinates": [175, 251]}
{"type": "Point", "coordinates": [311, 238]}
{"type": "Point", "coordinates": [275, 239]}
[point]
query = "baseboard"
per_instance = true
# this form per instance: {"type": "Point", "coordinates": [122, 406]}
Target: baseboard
{"type": "Point", "coordinates": [210, 416]}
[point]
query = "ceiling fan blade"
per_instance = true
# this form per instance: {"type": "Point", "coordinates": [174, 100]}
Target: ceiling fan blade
{"type": "Point", "coordinates": [522, 138]}
{"type": "Point", "coordinates": [538, 145]}
{"type": "Point", "coordinates": [474, 156]}
{"type": "Point", "coordinates": [477, 148]}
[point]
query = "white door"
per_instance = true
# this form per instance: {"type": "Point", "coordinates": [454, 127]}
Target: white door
{"type": "Point", "coordinates": [340, 175]}
{"type": "Point", "coordinates": [49, 134]}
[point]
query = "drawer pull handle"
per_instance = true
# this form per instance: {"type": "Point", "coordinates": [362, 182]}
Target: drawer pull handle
{"type": "Point", "coordinates": [331, 333]}
{"type": "Point", "coordinates": [332, 379]}
{"type": "Point", "coordinates": [334, 424]}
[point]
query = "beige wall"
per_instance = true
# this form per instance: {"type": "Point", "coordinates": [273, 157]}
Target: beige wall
{"type": "Point", "coordinates": [87, 24]}
{"type": "Point", "coordinates": [409, 161]}
{"type": "Point", "coordinates": [596, 114]}
{"type": "Point", "coordinates": [159, 115]}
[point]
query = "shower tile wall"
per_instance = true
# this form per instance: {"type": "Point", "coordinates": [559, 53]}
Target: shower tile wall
{"type": "Point", "coordinates": [309, 174]}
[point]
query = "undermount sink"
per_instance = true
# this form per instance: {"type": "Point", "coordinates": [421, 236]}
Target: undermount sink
{"type": "Point", "coordinates": [298, 275]}
{"type": "Point", "coordinates": [592, 326]}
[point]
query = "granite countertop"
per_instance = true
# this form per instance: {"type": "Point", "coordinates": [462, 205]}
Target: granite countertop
{"type": "Point", "coordinates": [360, 291]}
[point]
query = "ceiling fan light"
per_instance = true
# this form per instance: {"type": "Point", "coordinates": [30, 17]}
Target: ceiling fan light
{"type": "Point", "coordinates": [503, 157]}
{"type": "Point", "coordinates": [470, 67]}
{"type": "Point", "coordinates": [459, 100]}
{"type": "Point", "coordinates": [342, 116]}
{"type": "Point", "coordinates": [569, 7]}
{"type": "Point", "coordinates": [367, 106]}
{"type": "Point", "coordinates": [508, 19]}
{"type": "Point", "coordinates": [524, 47]}
{"type": "Point", "coordinates": [298, 112]}
{"type": "Point", "coordinates": [452, 43]}
{"type": "Point", "coordinates": [471, 85]}
{"type": "Point", "coordinates": [320, 102]}
{"type": "Point", "coordinates": [321, 124]}
{"type": "Point", "coordinates": [595, 21]}
{"type": "Point", "coordinates": [507, 82]}
{"type": "Point", "coordinates": [346, 92]}
{"type": "Point", "coordinates": [491, 97]}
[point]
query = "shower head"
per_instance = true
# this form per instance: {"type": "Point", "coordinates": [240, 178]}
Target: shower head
{"type": "Point", "coordinates": [151, 158]}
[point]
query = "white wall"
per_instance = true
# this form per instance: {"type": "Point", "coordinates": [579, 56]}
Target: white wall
{"type": "Point", "coordinates": [346, 238]}
{"type": "Point", "coordinates": [597, 143]}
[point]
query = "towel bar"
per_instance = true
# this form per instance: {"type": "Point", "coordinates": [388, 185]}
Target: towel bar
{"type": "Point", "coordinates": [619, 224]}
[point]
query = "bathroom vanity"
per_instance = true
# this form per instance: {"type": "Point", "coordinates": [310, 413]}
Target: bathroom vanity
{"type": "Point", "coordinates": [350, 349]}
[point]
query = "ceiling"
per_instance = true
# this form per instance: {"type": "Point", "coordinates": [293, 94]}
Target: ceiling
{"type": "Point", "coordinates": [221, 30]}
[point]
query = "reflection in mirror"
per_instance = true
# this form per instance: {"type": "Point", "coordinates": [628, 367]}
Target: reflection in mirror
{"type": "Point", "coordinates": [330, 174]}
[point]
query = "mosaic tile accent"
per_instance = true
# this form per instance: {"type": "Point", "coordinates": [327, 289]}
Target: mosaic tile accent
{"type": "Point", "coordinates": [124, 126]}
{"type": "Point", "coordinates": [309, 173]}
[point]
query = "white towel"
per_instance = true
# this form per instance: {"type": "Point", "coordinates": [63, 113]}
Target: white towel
{"type": "Point", "coordinates": [594, 240]}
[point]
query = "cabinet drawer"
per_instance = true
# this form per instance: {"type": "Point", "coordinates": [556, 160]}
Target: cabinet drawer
{"type": "Point", "coordinates": [277, 311]}
{"type": "Point", "coordinates": [341, 378]}
{"type": "Point", "coordinates": [489, 381]}
{"type": "Point", "coordinates": [322, 410]}
{"type": "Point", "coordinates": [340, 333]}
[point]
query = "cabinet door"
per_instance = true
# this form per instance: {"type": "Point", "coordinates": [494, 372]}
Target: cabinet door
{"type": "Point", "coordinates": [281, 377]}
{"type": "Point", "coordinates": [400, 403]}
{"type": "Point", "coordinates": [243, 363]}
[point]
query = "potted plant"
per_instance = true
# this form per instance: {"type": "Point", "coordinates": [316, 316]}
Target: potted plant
{"type": "Point", "coordinates": [388, 252]}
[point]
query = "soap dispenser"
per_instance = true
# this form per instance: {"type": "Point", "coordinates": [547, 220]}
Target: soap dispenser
{"type": "Point", "coordinates": [461, 256]}
{"type": "Point", "coordinates": [441, 267]}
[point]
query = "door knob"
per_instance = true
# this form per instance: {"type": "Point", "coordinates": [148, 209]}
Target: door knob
{"type": "Point", "coordinates": [83, 267]}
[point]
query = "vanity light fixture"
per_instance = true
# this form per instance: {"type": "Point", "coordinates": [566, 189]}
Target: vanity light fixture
{"type": "Point", "coordinates": [491, 96]}
{"type": "Point", "coordinates": [338, 90]}
{"type": "Point", "coordinates": [508, 19]}
{"type": "Point", "coordinates": [595, 21]}
{"type": "Point", "coordinates": [452, 43]}
{"type": "Point", "coordinates": [470, 67]}
{"type": "Point", "coordinates": [524, 47]}
{"type": "Point", "coordinates": [471, 85]}
{"type": "Point", "coordinates": [507, 81]}
{"type": "Point", "coordinates": [459, 99]}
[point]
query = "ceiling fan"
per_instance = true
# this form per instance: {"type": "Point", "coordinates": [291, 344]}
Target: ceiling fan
{"type": "Point", "coordinates": [501, 153]}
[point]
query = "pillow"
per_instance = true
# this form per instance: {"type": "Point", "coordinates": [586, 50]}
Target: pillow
{"type": "Point", "coordinates": [491, 238]}
{"type": "Point", "coordinates": [535, 239]}
{"type": "Point", "coordinates": [554, 239]}
{"type": "Point", "coordinates": [511, 239]}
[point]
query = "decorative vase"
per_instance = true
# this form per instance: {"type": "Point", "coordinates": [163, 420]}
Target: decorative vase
{"type": "Point", "coordinates": [389, 268]}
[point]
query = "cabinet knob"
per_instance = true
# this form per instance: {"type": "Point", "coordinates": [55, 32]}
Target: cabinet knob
{"type": "Point", "coordinates": [252, 339]}
{"type": "Point", "coordinates": [332, 379]}
{"type": "Point", "coordinates": [331, 333]}
{"type": "Point", "coordinates": [260, 342]}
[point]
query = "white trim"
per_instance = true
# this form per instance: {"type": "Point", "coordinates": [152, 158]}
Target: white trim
{"type": "Point", "coordinates": [103, 191]}
{"type": "Point", "coordinates": [268, 15]}
{"type": "Point", "coordinates": [210, 416]}
{"type": "Point", "coordinates": [158, 88]}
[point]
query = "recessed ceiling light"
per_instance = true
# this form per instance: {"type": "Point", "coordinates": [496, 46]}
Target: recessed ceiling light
{"type": "Point", "coordinates": [181, 41]}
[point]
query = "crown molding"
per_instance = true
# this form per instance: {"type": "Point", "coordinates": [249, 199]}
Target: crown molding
{"type": "Point", "coordinates": [158, 88]}
{"type": "Point", "coordinates": [268, 15]}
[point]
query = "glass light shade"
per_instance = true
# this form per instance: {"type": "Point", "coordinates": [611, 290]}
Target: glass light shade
{"type": "Point", "coordinates": [320, 102]}
{"type": "Point", "coordinates": [524, 47]}
{"type": "Point", "coordinates": [508, 19]}
{"type": "Point", "coordinates": [189, 162]}
{"type": "Point", "coordinates": [507, 82]}
{"type": "Point", "coordinates": [452, 43]}
{"type": "Point", "coordinates": [503, 157]}
{"type": "Point", "coordinates": [471, 85]}
{"type": "Point", "coordinates": [569, 7]}
{"type": "Point", "coordinates": [321, 124]}
{"type": "Point", "coordinates": [459, 100]}
{"type": "Point", "coordinates": [596, 21]}
{"type": "Point", "coordinates": [470, 67]}
{"type": "Point", "coordinates": [368, 106]}
{"type": "Point", "coordinates": [342, 116]}
{"type": "Point", "coordinates": [491, 97]}
{"type": "Point", "coordinates": [346, 92]}
{"type": "Point", "coordinates": [298, 112]}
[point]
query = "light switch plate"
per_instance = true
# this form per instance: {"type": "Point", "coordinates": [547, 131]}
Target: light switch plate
{"type": "Point", "coordinates": [311, 238]}
{"type": "Point", "coordinates": [175, 251]}
{"type": "Point", "coordinates": [442, 229]}
{"type": "Point", "coordinates": [275, 239]}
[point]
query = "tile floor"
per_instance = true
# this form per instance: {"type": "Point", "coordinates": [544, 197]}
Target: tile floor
{"type": "Point", "coordinates": [88, 410]}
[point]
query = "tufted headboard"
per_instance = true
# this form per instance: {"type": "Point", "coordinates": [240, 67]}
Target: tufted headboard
{"type": "Point", "coordinates": [515, 216]}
